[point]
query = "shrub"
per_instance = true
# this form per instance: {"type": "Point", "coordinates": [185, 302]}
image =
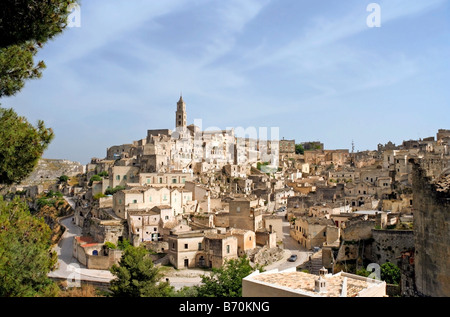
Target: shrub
{"type": "Point", "coordinates": [112, 191]}
{"type": "Point", "coordinates": [63, 178]}
{"type": "Point", "coordinates": [98, 196]}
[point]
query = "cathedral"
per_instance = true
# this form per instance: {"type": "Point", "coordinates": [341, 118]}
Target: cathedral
{"type": "Point", "coordinates": [188, 148]}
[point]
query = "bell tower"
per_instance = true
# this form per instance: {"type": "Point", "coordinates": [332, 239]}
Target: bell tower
{"type": "Point", "coordinates": [180, 119]}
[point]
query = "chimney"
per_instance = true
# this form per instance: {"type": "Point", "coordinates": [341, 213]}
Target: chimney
{"type": "Point", "coordinates": [320, 285]}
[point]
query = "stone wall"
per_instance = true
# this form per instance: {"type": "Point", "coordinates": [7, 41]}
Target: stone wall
{"type": "Point", "coordinates": [431, 234]}
{"type": "Point", "coordinates": [357, 229]}
{"type": "Point", "coordinates": [388, 245]}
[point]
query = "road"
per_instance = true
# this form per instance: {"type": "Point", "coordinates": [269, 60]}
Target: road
{"type": "Point", "coordinates": [69, 267]}
{"type": "Point", "coordinates": [291, 247]}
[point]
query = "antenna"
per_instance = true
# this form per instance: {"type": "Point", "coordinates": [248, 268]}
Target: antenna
{"type": "Point", "coordinates": [353, 146]}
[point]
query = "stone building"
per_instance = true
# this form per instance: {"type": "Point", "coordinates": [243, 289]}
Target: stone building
{"type": "Point", "coordinates": [94, 255]}
{"type": "Point", "coordinates": [144, 197]}
{"type": "Point", "coordinates": [431, 231]}
{"type": "Point", "coordinates": [246, 240]}
{"type": "Point", "coordinates": [245, 213]}
{"type": "Point", "coordinates": [143, 225]}
{"type": "Point", "coordinates": [312, 232]}
{"type": "Point", "coordinates": [201, 248]}
{"type": "Point", "coordinates": [290, 283]}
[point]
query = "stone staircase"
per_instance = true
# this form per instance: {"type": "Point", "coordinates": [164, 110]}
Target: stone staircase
{"type": "Point", "coordinates": [313, 264]}
{"type": "Point", "coordinates": [316, 263]}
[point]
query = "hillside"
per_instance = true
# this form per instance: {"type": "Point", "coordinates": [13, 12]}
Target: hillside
{"type": "Point", "coordinates": [48, 170]}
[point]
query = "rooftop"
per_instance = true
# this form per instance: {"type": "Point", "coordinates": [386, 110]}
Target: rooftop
{"type": "Point", "coordinates": [304, 283]}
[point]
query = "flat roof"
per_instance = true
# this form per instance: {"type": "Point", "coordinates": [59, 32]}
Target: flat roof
{"type": "Point", "coordinates": [305, 283]}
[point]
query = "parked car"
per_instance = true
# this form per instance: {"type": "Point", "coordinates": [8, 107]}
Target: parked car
{"type": "Point", "coordinates": [293, 258]}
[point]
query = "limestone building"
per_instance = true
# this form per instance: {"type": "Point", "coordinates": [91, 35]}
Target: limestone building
{"type": "Point", "coordinates": [290, 283]}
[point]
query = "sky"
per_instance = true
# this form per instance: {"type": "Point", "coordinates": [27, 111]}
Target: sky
{"type": "Point", "coordinates": [316, 70]}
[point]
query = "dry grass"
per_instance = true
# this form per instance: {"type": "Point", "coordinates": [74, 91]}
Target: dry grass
{"type": "Point", "coordinates": [83, 291]}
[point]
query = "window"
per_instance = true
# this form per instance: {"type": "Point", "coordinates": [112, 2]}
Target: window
{"type": "Point", "coordinates": [228, 249]}
{"type": "Point", "coordinates": [160, 180]}
{"type": "Point", "coordinates": [149, 180]}
{"type": "Point", "coordinates": [118, 177]}
{"type": "Point", "coordinates": [150, 198]}
{"type": "Point", "coordinates": [238, 209]}
{"type": "Point", "coordinates": [199, 245]}
{"type": "Point", "coordinates": [165, 197]}
{"type": "Point", "coordinates": [154, 229]}
{"type": "Point", "coordinates": [185, 245]}
{"type": "Point", "coordinates": [124, 177]}
{"type": "Point", "coordinates": [174, 180]}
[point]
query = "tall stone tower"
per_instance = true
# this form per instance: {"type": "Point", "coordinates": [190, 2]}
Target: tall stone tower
{"type": "Point", "coordinates": [180, 119]}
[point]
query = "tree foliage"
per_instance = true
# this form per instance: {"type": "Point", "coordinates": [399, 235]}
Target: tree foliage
{"type": "Point", "coordinates": [25, 25]}
{"type": "Point", "coordinates": [390, 273]}
{"type": "Point", "coordinates": [32, 20]}
{"type": "Point", "coordinates": [26, 257]}
{"type": "Point", "coordinates": [16, 66]}
{"type": "Point", "coordinates": [299, 149]}
{"type": "Point", "coordinates": [21, 146]}
{"type": "Point", "coordinates": [112, 191]}
{"type": "Point", "coordinates": [63, 179]}
{"type": "Point", "coordinates": [136, 276]}
{"type": "Point", "coordinates": [225, 281]}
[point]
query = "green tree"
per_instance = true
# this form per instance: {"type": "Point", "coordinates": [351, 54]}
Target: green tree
{"type": "Point", "coordinates": [32, 20]}
{"type": "Point", "coordinates": [225, 281]}
{"type": "Point", "coordinates": [21, 146]}
{"type": "Point", "coordinates": [363, 272]}
{"type": "Point", "coordinates": [299, 149]}
{"type": "Point", "coordinates": [124, 244]}
{"type": "Point", "coordinates": [16, 66]}
{"type": "Point", "coordinates": [112, 191]}
{"type": "Point", "coordinates": [390, 273]}
{"type": "Point", "coordinates": [25, 25]}
{"type": "Point", "coordinates": [103, 174]}
{"type": "Point", "coordinates": [94, 178]}
{"type": "Point", "coordinates": [26, 257]}
{"type": "Point", "coordinates": [63, 178]}
{"type": "Point", "coordinates": [136, 276]}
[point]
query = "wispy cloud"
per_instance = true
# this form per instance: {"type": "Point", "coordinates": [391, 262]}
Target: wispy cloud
{"type": "Point", "coordinates": [252, 62]}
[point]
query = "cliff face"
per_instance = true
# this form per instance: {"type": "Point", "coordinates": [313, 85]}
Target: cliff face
{"type": "Point", "coordinates": [431, 232]}
{"type": "Point", "coordinates": [51, 214]}
{"type": "Point", "coordinates": [48, 170]}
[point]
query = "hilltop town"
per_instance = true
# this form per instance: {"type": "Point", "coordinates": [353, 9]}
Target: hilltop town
{"type": "Point", "coordinates": [198, 198]}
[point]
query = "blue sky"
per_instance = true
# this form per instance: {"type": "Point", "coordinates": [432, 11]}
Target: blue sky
{"type": "Point", "coordinates": [314, 69]}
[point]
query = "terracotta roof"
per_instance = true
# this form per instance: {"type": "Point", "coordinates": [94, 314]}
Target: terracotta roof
{"type": "Point", "coordinates": [85, 239]}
